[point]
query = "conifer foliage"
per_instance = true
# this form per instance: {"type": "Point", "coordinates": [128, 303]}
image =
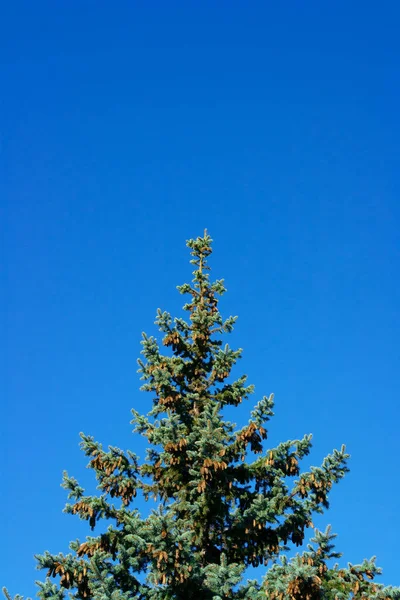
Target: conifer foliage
{"type": "Point", "coordinates": [222, 500]}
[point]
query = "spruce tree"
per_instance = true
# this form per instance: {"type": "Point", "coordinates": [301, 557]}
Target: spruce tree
{"type": "Point", "coordinates": [222, 502]}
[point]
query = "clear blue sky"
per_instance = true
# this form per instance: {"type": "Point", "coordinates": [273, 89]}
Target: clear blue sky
{"type": "Point", "coordinates": [127, 129]}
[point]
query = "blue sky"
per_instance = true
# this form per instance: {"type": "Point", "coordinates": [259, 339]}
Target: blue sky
{"type": "Point", "coordinates": [127, 129]}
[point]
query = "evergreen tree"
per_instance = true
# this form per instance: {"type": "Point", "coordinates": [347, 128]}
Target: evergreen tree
{"type": "Point", "coordinates": [222, 503]}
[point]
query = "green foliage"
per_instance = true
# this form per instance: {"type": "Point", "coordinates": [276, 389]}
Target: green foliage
{"type": "Point", "coordinates": [222, 501]}
{"type": "Point", "coordinates": [309, 576]}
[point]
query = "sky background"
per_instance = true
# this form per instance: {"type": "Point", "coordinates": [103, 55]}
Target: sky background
{"type": "Point", "coordinates": [127, 129]}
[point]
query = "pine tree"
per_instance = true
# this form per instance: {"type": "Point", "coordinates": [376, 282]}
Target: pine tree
{"type": "Point", "coordinates": [222, 502]}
